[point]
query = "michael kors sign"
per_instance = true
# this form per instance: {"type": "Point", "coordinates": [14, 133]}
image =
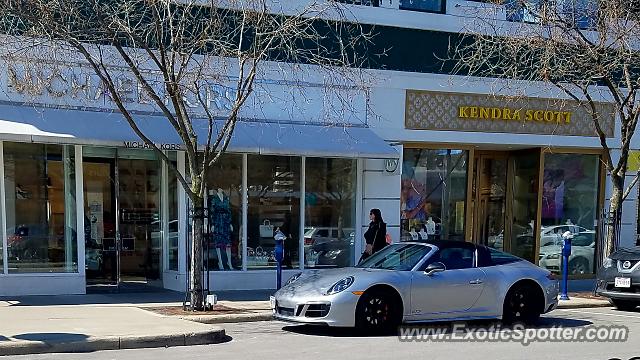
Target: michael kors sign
{"type": "Point", "coordinates": [427, 110]}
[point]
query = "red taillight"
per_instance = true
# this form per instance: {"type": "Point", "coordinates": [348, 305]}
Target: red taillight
{"type": "Point", "coordinates": [308, 241]}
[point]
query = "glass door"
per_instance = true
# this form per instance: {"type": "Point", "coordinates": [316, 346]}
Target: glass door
{"type": "Point", "coordinates": [524, 183]}
{"type": "Point", "coordinates": [139, 220]}
{"type": "Point", "coordinates": [490, 195]}
{"type": "Point", "coordinates": [100, 225]}
{"type": "Point", "coordinates": [123, 232]}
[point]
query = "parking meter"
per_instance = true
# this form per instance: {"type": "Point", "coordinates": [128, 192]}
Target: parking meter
{"type": "Point", "coordinates": [566, 252]}
{"type": "Point", "coordinates": [279, 255]}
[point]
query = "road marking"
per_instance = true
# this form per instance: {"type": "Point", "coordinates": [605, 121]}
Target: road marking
{"type": "Point", "coordinates": [597, 313]}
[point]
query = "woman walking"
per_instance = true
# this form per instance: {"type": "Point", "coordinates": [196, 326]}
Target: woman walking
{"type": "Point", "coordinates": [375, 236]}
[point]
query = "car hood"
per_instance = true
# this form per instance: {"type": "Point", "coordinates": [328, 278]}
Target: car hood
{"type": "Point", "coordinates": [627, 254]}
{"type": "Point", "coordinates": [550, 249]}
{"type": "Point", "coordinates": [317, 282]}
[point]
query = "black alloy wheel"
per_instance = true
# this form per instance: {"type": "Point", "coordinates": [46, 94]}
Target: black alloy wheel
{"type": "Point", "coordinates": [377, 312]}
{"type": "Point", "coordinates": [521, 305]}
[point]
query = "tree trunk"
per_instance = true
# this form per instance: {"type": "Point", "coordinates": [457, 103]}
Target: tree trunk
{"type": "Point", "coordinates": [197, 296]}
{"type": "Point", "coordinates": [613, 222]}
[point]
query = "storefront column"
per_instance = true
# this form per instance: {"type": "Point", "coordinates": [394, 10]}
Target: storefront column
{"type": "Point", "coordinates": [245, 212]}
{"type": "Point", "coordinates": [164, 214]}
{"type": "Point", "coordinates": [79, 209]}
{"type": "Point", "coordinates": [359, 202]}
{"type": "Point", "coordinates": [3, 214]}
{"type": "Point", "coordinates": [302, 212]}
{"type": "Point", "coordinates": [69, 204]}
{"type": "Point", "coordinates": [182, 218]}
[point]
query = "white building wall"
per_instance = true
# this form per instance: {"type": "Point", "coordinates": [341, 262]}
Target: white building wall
{"type": "Point", "coordinates": [42, 284]}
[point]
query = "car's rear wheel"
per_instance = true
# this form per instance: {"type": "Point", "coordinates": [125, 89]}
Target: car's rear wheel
{"type": "Point", "coordinates": [579, 266]}
{"type": "Point", "coordinates": [624, 305]}
{"type": "Point", "coordinates": [522, 304]}
{"type": "Point", "coordinates": [378, 311]}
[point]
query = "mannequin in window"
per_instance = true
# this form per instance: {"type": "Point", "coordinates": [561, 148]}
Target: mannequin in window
{"type": "Point", "coordinates": [221, 228]}
{"type": "Point", "coordinates": [414, 234]}
{"type": "Point", "coordinates": [423, 233]}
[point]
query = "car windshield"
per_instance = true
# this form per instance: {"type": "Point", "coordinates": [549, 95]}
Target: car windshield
{"type": "Point", "coordinates": [401, 257]}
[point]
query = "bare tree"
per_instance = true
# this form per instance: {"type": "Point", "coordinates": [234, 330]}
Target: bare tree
{"type": "Point", "coordinates": [586, 50]}
{"type": "Point", "coordinates": [189, 45]}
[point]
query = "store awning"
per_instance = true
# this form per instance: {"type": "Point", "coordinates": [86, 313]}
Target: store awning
{"type": "Point", "coordinates": [107, 128]}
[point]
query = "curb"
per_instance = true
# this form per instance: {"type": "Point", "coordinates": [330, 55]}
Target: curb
{"type": "Point", "coordinates": [213, 336]}
{"type": "Point", "coordinates": [603, 303]}
{"type": "Point", "coordinates": [231, 318]}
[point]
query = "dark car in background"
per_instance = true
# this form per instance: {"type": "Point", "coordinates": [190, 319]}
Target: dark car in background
{"type": "Point", "coordinates": [619, 278]}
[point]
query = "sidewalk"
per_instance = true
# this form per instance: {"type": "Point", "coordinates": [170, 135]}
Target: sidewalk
{"type": "Point", "coordinates": [583, 300]}
{"type": "Point", "coordinates": [84, 323]}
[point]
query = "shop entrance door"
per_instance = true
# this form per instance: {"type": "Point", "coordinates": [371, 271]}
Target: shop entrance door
{"type": "Point", "coordinates": [506, 198]}
{"type": "Point", "coordinates": [123, 238]}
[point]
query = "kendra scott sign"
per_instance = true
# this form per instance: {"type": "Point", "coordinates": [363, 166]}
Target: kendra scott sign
{"type": "Point", "coordinates": [508, 114]}
{"type": "Point", "coordinates": [427, 110]}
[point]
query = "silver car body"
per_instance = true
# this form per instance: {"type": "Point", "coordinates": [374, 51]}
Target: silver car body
{"type": "Point", "coordinates": [460, 294]}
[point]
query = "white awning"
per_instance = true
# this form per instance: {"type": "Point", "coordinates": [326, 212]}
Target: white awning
{"type": "Point", "coordinates": [106, 128]}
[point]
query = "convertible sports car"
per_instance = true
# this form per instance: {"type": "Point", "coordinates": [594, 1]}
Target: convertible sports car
{"type": "Point", "coordinates": [414, 282]}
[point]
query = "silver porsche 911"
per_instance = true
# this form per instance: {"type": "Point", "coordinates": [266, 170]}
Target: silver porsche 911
{"type": "Point", "coordinates": [415, 282]}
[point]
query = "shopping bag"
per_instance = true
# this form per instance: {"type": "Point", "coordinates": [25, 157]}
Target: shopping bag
{"type": "Point", "coordinates": [266, 229]}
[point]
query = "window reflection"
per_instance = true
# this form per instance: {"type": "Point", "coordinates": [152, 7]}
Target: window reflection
{"type": "Point", "coordinates": [274, 202]}
{"type": "Point", "coordinates": [329, 236]}
{"type": "Point", "coordinates": [40, 208]}
{"type": "Point", "coordinates": [434, 187]}
{"type": "Point", "coordinates": [569, 204]}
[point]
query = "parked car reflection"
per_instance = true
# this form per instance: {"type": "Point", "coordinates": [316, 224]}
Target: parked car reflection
{"type": "Point", "coordinates": [581, 260]}
{"type": "Point", "coordinates": [324, 248]}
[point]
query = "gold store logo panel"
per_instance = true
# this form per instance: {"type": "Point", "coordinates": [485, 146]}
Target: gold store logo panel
{"type": "Point", "coordinates": [426, 110]}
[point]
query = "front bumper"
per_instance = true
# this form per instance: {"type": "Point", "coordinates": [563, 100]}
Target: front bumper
{"type": "Point", "coordinates": [605, 285]}
{"type": "Point", "coordinates": [331, 310]}
{"type": "Point", "coordinates": [551, 290]}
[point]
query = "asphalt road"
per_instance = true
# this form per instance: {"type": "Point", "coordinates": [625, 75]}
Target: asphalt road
{"type": "Point", "coordinates": [276, 340]}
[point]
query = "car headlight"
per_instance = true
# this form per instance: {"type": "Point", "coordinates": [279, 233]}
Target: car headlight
{"type": "Point", "coordinates": [293, 278]}
{"type": "Point", "coordinates": [607, 263]}
{"type": "Point", "coordinates": [341, 285]}
{"type": "Point", "coordinates": [553, 256]}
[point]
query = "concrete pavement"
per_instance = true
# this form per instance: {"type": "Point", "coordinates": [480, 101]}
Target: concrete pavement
{"type": "Point", "coordinates": [69, 328]}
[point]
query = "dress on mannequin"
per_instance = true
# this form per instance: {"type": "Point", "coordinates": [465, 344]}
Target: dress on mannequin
{"type": "Point", "coordinates": [221, 228]}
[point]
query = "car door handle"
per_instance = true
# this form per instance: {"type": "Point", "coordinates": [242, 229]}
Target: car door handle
{"type": "Point", "coordinates": [475, 282]}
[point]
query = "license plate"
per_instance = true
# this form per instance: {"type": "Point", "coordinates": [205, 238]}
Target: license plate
{"type": "Point", "coordinates": [622, 282]}
{"type": "Point", "coordinates": [272, 302]}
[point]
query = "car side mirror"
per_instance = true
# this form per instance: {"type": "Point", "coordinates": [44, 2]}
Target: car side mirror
{"type": "Point", "coordinates": [436, 267]}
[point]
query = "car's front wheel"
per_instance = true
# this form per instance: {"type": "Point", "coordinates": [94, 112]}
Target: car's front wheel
{"type": "Point", "coordinates": [522, 304]}
{"type": "Point", "coordinates": [378, 311]}
{"type": "Point", "coordinates": [624, 305]}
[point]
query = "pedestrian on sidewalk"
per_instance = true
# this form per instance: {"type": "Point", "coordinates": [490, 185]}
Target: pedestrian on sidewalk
{"type": "Point", "coordinates": [376, 234]}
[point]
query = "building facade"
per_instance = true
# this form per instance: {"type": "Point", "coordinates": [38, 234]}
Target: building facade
{"type": "Point", "coordinates": [85, 204]}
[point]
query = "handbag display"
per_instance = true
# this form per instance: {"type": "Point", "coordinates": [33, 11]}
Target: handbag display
{"type": "Point", "coordinates": [266, 229]}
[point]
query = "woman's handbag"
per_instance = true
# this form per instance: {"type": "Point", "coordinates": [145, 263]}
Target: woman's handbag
{"type": "Point", "coordinates": [266, 229]}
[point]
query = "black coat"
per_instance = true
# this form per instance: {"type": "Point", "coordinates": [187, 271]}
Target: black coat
{"type": "Point", "coordinates": [376, 235]}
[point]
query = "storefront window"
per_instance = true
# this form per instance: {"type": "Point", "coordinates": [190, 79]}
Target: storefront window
{"type": "Point", "coordinates": [274, 202]}
{"type": "Point", "coordinates": [224, 202]}
{"type": "Point", "coordinates": [172, 213]}
{"type": "Point", "coordinates": [329, 232]}
{"type": "Point", "coordinates": [569, 203]}
{"type": "Point", "coordinates": [434, 188]}
{"type": "Point", "coordinates": [40, 208]}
